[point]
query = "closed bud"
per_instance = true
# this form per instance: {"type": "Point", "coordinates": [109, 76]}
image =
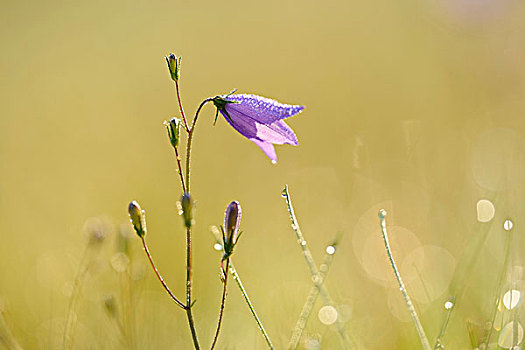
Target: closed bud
{"type": "Point", "coordinates": [186, 209]}
{"type": "Point", "coordinates": [232, 221]}
{"type": "Point", "coordinates": [173, 127]}
{"type": "Point", "coordinates": [174, 66]}
{"type": "Point", "coordinates": [137, 216]}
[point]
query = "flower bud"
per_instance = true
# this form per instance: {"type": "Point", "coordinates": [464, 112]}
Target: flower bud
{"type": "Point", "coordinates": [137, 216]}
{"type": "Point", "coordinates": [173, 127]}
{"type": "Point", "coordinates": [232, 220]}
{"type": "Point", "coordinates": [230, 232]}
{"type": "Point", "coordinates": [174, 66]}
{"type": "Point", "coordinates": [186, 209]}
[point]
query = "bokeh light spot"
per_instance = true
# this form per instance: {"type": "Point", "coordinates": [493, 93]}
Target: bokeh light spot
{"type": "Point", "coordinates": [510, 335]}
{"type": "Point", "coordinates": [485, 210]}
{"type": "Point", "coordinates": [327, 315]}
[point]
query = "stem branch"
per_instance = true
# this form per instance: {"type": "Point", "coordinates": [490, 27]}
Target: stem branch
{"type": "Point", "coordinates": [177, 301]}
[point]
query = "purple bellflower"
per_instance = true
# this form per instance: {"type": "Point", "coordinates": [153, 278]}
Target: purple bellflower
{"type": "Point", "coordinates": [259, 119]}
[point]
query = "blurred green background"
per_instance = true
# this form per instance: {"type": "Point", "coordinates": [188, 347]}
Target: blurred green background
{"type": "Point", "coordinates": [413, 106]}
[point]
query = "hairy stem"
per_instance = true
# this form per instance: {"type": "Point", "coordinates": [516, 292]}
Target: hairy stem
{"type": "Point", "coordinates": [346, 341]}
{"type": "Point", "coordinates": [223, 302]}
{"type": "Point", "coordinates": [179, 170]}
{"type": "Point", "coordinates": [189, 142]}
{"type": "Point", "coordinates": [159, 277]}
{"type": "Point", "coordinates": [408, 301]}
{"type": "Point", "coordinates": [188, 230]}
{"type": "Point", "coordinates": [237, 279]}
{"type": "Point", "coordinates": [180, 106]}
{"type": "Point", "coordinates": [310, 301]}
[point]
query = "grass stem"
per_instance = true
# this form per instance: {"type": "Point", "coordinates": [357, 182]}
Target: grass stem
{"type": "Point", "coordinates": [346, 341]}
{"type": "Point", "coordinates": [402, 288]}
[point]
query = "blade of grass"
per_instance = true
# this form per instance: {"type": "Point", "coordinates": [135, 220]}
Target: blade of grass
{"type": "Point", "coordinates": [312, 297]}
{"type": "Point", "coordinates": [237, 280]}
{"type": "Point", "coordinates": [346, 341]}
{"type": "Point", "coordinates": [402, 288]}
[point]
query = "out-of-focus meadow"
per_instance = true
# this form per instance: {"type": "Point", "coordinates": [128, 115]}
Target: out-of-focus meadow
{"type": "Point", "coordinates": [416, 107]}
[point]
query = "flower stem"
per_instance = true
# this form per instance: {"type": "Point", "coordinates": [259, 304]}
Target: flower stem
{"type": "Point", "coordinates": [180, 107]}
{"type": "Point", "coordinates": [189, 142]}
{"type": "Point", "coordinates": [188, 229]}
{"type": "Point", "coordinates": [179, 170]}
{"type": "Point", "coordinates": [346, 341]}
{"type": "Point", "coordinates": [408, 301]}
{"type": "Point", "coordinates": [146, 250]}
{"type": "Point", "coordinates": [223, 302]}
{"type": "Point", "coordinates": [237, 279]}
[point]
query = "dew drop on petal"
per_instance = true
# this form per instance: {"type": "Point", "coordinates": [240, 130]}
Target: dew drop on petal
{"type": "Point", "coordinates": [511, 298]}
{"type": "Point", "coordinates": [217, 247]}
{"type": "Point", "coordinates": [510, 335]}
{"type": "Point", "coordinates": [327, 315]}
{"type": "Point", "coordinates": [508, 224]}
{"type": "Point", "coordinates": [485, 210]}
{"type": "Point", "coordinates": [330, 250]}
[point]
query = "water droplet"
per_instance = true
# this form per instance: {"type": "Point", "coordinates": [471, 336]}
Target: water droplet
{"type": "Point", "coordinates": [303, 243]}
{"type": "Point", "coordinates": [382, 213]}
{"type": "Point", "coordinates": [327, 315]}
{"type": "Point", "coordinates": [217, 247]}
{"type": "Point", "coordinates": [511, 298]}
{"type": "Point", "coordinates": [330, 250]}
{"type": "Point", "coordinates": [449, 305]}
{"type": "Point", "coordinates": [508, 224]}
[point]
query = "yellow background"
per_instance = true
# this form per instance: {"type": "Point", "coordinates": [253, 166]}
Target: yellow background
{"type": "Point", "coordinates": [413, 106]}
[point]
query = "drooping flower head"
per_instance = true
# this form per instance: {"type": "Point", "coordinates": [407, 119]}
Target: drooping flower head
{"type": "Point", "coordinates": [259, 119]}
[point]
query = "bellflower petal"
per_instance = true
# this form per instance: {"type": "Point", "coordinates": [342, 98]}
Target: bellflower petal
{"type": "Point", "coordinates": [260, 120]}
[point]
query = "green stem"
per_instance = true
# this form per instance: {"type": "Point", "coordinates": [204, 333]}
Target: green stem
{"type": "Point", "coordinates": [180, 106]}
{"type": "Point", "coordinates": [159, 277]}
{"type": "Point", "coordinates": [499, 286]}
{"type": "Point", "coordinates": [310, 302]}
{"type": "Point", "coordinates": [223, 302]}
{"type": "Point", "coordinates": [237, 279]}
{"type": "Point", "coordinates": [346, 341]}
{"type": "Point", "coordinates": [188, 230]}
{"type": "Point", "coordinates": [408, 301]}
{"type": "Point", "coordinates": [189, 142]}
